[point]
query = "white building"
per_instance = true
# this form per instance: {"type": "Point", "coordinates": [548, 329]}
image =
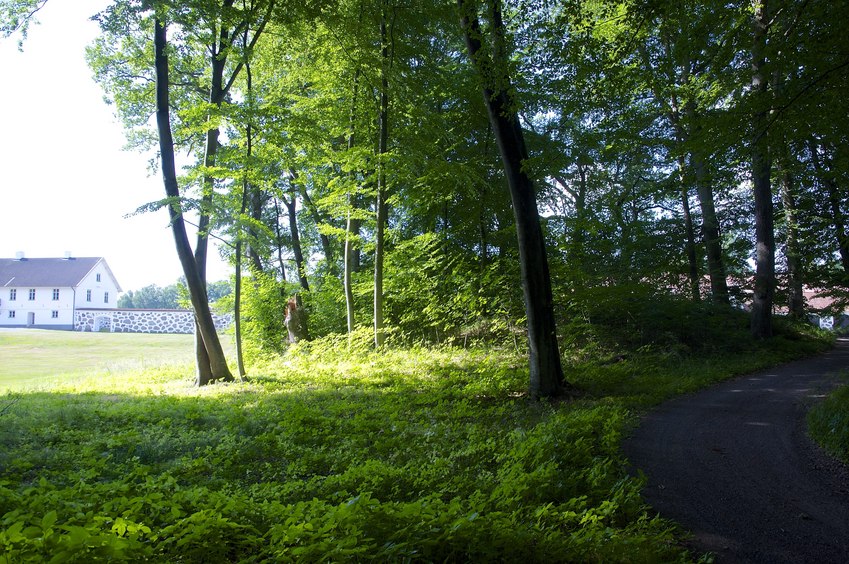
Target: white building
{"type": "Point", "coordinates": [46, 292]}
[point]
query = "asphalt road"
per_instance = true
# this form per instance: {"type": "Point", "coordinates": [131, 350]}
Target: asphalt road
{"type": "Point", "coordinates": [733, 465]}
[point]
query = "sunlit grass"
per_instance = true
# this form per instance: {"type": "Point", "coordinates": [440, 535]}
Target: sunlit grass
{"type": "Point", "coordinates": [34, 358]}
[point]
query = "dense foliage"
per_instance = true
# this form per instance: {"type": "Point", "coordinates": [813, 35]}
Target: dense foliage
{"type": "Point", "coordinates": [336, 453]}
{"type": "Point", "coordinates": [646, 130]}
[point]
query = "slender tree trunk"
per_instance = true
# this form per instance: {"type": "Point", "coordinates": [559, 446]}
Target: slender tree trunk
{"type": "Point", "coordinates": [279, 241]}
{"type": "Point", "coordinates": [796, 298]}
{"type": "Point", "coordinates": [690, 244]}
{"type": "Point", "coordinates": [237, 310]}
{"type": "Point", "coordinates": [346, 282]}
{"type": "Point", "coordinates": [349, 251]}
{"type": "Point", "coordinates": [246, 195]}
{"type": "Point", "coordinates": [838, 219]}
{"type": "Point", "coordinates": [317, 218]}
{"type": "Point", "coordinates": [761, 179]}
{"type": "Point", "coordinates": [380, 204]}
{"type": "Point", "coordinates": [710, 222]}
{"type": "Point", "coordinates": [216, 96]}
{"type": "Point", "coordinates": [296, 242]}
{"type": "Point", "coordinates": [215, 361]}
{"type": "Point", "coordinates": [546, 372]}
{"type": "Point", "coordinates": [256, 203]}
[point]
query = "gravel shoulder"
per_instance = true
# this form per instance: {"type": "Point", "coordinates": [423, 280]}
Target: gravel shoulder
{"type": "Point", "coordinates": [734, 465]}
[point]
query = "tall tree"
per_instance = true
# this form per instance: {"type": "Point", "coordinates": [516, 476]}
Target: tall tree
{"type": "Point", "coordinates": [763, 298]}
{"type": "Point", "coordinates": [546, 372]}
{"type": "Point", "coordinates": [197, 288]}
{"type": "Point", "coordinates": [380, 205]}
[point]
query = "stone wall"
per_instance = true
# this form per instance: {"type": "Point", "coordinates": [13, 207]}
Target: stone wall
{"type": "Point", "coordinates": [142, 320]}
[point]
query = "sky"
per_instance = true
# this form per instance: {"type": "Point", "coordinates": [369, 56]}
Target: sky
{"type": "Point", "coordinates": [66, 182]}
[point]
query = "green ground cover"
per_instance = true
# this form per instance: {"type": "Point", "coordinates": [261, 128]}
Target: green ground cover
{"type": "Point", "coordinates": [334, 454]}
{"type": "Point", "coordinates": [828, 422]}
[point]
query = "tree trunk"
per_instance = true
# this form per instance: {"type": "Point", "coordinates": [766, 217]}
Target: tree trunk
{"type": "Point", "coordinates": [690, 245]}
{"type": "Point", "coordinates": [237, 310]}
{"type": "Point", "coordinates": [838, 219]}
{"type": "Point", "coordinates": [216, 96]}
{"type": "Point", "coordinates": [246, 195]}
{"type": "Point", "coordinates": [546, 372]}
{"type": "Point", "coordinates": [380, 204]}
{"type": "Point", "coordinates": [346, 282]}
{"type": "Point", "coordinates": [796, 298]}
{"type": "Point", "coordinates": [349, 252]}
{"type": "Point", "coordinates": [682, 74]}
{"type": "Point", "coordinates": [215, 361]}
{"type": "Point", "coordinates": [279, 241]}
{"type": "Point", "coordinates": [710, 224]}
{"type": "Point", "coordinates": [256, 200]}
{"type": "Point", "coordinates": [761, 180]}
{"type": "Point", "coordinates": [296, 242]}
{"type": "Point", "coordinates": [317, 218]}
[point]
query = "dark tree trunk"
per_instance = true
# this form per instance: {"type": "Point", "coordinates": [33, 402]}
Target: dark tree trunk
{"type": "Point", "coordinates": [279, 241]}
{"type": "Point", "coordinates": [825, 173]}
{"type": "Point", "coordinates": [710, 230]}
{"type": "Point", "coordinates": [546, 372]}
{"type": "Point", "coordinates": [318, 219]}
{"type": "Point", "coordinates": [215, 361]}
{"type": "Point", "coordinates": [247, 193]}
{"type": "Point", "coordinates": [380, 204]}
{"type": "Point", "coordinates": [296, 242]}
{"type": "Point", "coordinates": [690, 232]}
{"type": "Point", "coordinates": [761, 179]}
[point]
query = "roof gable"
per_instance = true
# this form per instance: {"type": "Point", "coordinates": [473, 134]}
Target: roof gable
{"type": "Point", "coordinates": [48, 272]}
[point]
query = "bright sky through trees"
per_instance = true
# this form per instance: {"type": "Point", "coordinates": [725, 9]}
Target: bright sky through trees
{"type": "Point", "coordinates": [66, 182]}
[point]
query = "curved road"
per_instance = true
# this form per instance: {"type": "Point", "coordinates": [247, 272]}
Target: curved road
{"type": "Point", "coordinates": [733, 465]}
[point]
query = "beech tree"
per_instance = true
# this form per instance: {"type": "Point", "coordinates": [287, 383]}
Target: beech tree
{"type": "Point", "coordinates": [218, 369]}
{"type": "Point", "coordinates": [546, 372]}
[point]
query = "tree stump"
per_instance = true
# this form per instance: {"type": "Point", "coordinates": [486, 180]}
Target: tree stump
{"type": "Point", "coordinates": [296, 320]}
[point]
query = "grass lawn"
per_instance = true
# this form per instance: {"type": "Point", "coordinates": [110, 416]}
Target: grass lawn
{"type": "Point", "coordinates": [33, 358]}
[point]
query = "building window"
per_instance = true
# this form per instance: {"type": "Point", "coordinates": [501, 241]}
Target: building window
{"type": "Point", "coordinates": [106, 297]}
{"type": "Point", "coordinates": [11, 314]}
{"type": "Point", "coordinates": [88, 295]}
{"type": "Point", "coordinates": [31, 294]}
{"type": "Point", "coordinates": [55, 294]}
{"type": "Point", "coordinates": [13, 294]}
{"type": "Point", "coordinates": [54, 314]}
{"type": "Point", "coordinates": [98, 277]}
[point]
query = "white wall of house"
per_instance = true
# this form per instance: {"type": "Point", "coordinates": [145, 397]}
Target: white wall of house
{"type": "Point", "coordinates": [97, 290]}
{"type": "Point", "coordinates": [36, 307]}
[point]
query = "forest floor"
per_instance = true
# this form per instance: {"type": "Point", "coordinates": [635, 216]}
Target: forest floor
{"type": "Point", "coordinates": [734, 465]}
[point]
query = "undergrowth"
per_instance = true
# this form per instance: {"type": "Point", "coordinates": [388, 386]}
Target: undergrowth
{"type": "Point", "coordinates": [828, 422]}
{"type": "Point", "coordinates": [335, 453]}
